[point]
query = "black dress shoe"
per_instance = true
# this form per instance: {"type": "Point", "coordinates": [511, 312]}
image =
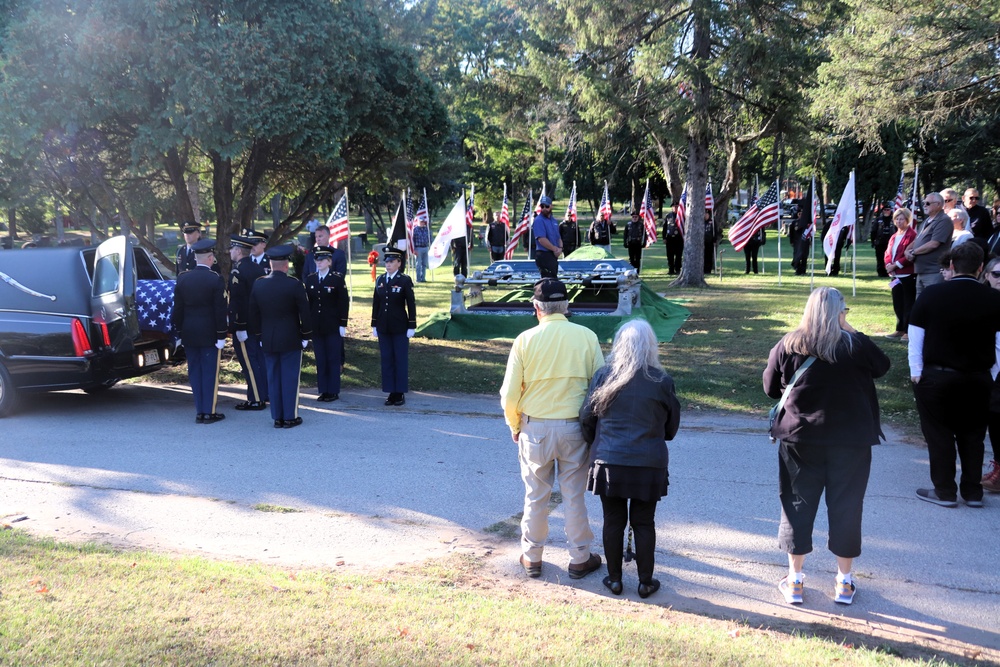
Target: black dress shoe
{"type": "Point", "coordinates": [200, 419]}
{"type": "Point", "coordinates": [400, 399]}
{"type": "Point", "coordinates": [323, 398]}
{"type": "Point", "coordinates": [214, 417]}
{"type": "Point", "coordinates": [292, 423]}
{"type": "Point", "coordinates": [245, 405]}
{"type": "Point", "coordinates": [650, 587]}
{"type": "Point", "coordinates": [251, 405]}
{"type": "Point", "coordinates": [279, 423]}
{"type": "Point", "coordinates": [391, 400]}
{"type": "Point", "coordinates": [333, 397]}
{"type": "Point", "coordinates": [612, 585]}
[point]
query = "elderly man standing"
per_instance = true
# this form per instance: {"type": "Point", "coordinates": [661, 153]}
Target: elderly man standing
{"type": "Point", "coordinates": [548, 371]}
{"type": "Point", "coordinates": [933, 241]}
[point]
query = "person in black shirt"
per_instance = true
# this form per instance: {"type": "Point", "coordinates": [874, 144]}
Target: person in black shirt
{"type": "Point", "coordinates": [674, 241]}
{"type": "Point", "coordinates": [953, 328]}
{"type": "Point", "coordinates": [882, 230]}
{"type": "Point", "coordinates": [635, 239]}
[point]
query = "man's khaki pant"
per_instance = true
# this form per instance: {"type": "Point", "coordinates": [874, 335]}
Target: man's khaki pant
{"type": "Point", "coordinates": [542, 446]}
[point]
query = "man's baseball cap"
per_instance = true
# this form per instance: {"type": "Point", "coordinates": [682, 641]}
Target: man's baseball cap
{"type": "Point", "coordinates": [545, 201]}
{"type": "Point", "coordinates": [549, 289]}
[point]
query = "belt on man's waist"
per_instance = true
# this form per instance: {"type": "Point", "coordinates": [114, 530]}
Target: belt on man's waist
{"type": "Point", "coordinates": [948, 369]}
{"type": "Point", "coordinates": [528, 419]}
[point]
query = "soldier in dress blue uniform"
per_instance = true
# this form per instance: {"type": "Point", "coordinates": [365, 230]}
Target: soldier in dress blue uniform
{"type": "Point", "coordinates": [199, 318]}
{"type": "Point", "coordinates": [185, 254]}
{"type": "Point", "coordinates": [394, 321]}
{"type": "Point", "coordinates": [328, 307]}
{"type": "Point", "coordinates": [241, 279]}
{"type": "Point", "coordinates": [259, 241]}
{"type": "Point", "coordinates": [279, 312]}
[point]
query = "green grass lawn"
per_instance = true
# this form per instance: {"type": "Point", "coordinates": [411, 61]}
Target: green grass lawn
{"type": "Point", "coordinates": [72, 605]}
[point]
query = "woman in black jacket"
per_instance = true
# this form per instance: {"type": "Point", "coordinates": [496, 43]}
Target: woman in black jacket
{"type": "Point", "coordinates": [827, 427]}
{"type": "Point", "coordinates": [630, 410]}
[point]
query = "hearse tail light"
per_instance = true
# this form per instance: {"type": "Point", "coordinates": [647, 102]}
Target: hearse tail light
{"type": "Point", "coordinates": [81, 343]}
{"type": "Point", "coordinates": [105, 335]}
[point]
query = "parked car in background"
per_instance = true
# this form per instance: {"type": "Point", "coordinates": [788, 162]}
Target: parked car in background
{"type": "Point", "coordinates": [69, 320]}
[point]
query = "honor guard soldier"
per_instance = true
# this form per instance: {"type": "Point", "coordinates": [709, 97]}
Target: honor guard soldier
{"type": "Point", "coordinates": [328, 307]}
{"type": "Point", "coordinates": [279, 312]}
{"type": "Point", "coordinates": [199, 318]}
{"type": "Point", "coordinates": [241, 279]}
{"type": "Point", "coordinates": [185, 254]}
{"type": "Point", "coordinates": [259, 244]}
{"type": "Point", "coordinates": [394, 321]}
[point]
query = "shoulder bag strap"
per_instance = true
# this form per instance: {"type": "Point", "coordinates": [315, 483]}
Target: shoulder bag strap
{"type": "Point", "coordinates": [795, 378]}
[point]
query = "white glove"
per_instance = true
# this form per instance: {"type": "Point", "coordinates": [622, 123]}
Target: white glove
{"type": "Point", "coordinates": [343, 332]}
{"type": "Point", "coordinates": [242, 336]}
{"type": "Point", "coordinates": [374, 332]}
{"type": "Point", "coordinates": [305, 344]}
{"type": "Point", "coordinates": [410, 332]}
{"type": "Point", "coordinates": [220, 343]}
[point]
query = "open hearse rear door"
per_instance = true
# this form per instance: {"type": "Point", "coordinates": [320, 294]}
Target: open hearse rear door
{"type": "Point", "coordinates": [113, 295]}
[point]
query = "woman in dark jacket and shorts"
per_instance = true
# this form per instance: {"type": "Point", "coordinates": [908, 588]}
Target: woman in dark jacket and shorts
{"type": "Point", "coordinates": [826, 429]}
{"type": "Point", "coordinates": [630, 410]}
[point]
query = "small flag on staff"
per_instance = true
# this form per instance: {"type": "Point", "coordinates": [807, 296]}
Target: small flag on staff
{"type": "Point", "coordinates": [648, 217]}
{"type": "Point", "coordinates": [422, 213]}
{"type": "Point", "coordinates": [761, 213]}
{"type": "Point", "coordinates": [844, 218]}
{"type": "Point", "coordinates": [340, 228]}
{"type": "Point", "coordinates": [709, 199]}
{"type": "Point", "coordinates": [571, 207]}
{"type": "Point", "coordinates": [504, 210]}
{"type": "Point", "coordinates": [410, 220]}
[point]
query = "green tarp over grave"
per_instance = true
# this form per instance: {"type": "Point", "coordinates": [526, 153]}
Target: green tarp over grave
{"type": "Point", "coordinates": [665, 317]}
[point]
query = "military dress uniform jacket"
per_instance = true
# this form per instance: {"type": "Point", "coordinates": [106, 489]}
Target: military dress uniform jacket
{"type": "Point", "coordinates": [279, 312]}
{"type": "Point", "coordinates": [241, 281]}
{"type": "Point", "coordinates": [199, 314]}
{"type": "Point", "coordinates": [394, 309]}
{"type": "Point", "coordinates": [328, 302]}
{"type": "Point", "coordinates": [185, 260]}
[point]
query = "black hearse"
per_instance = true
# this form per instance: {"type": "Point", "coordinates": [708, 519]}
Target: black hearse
{"type": "Point", "coordinates": [68, 319]}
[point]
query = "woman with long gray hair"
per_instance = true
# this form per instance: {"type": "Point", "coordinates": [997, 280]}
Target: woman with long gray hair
{"type": "Point", "coordinates": [630, 410]}
{"type": "Point", "coordinates": [826, 428]}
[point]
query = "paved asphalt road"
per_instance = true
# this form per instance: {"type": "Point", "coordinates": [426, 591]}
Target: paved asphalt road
{"type": "Point", "coordinates": [376, 487]}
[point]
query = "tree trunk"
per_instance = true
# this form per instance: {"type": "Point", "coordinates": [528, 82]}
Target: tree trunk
{"type": "Point", "coordinates": [222, 195]}
{"type": "Point", "coordinates": [175, 170]}
{"type": "Point", "coordinates": [671, 169]}
{"type": "Point", "coordinates": [693, 266]}
{"type": "Point", "coordinates": [12, 224]}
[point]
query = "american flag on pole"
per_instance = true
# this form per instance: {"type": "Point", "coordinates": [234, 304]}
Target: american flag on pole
{"type": "Point", "coordinates": [410, 221]}
{"type": "Point", "coordinates": [709, 199]}
{"type": "Point", "coordinates": [522, 227]}
{"type": "Point", "coordinates": [814, 221]}
{"type": "Point", "coordinates": [648, 217]}
{"type": "Point", "coordinates": [915, 199]}
{"type": "Point", "coordinates": [340, 228]}
{"type": "Point", "coordinates": [900, 200]}
{"type": "Point", "coordinates": [761, 213]}
{"type": "Point", "coordinates": [470, 211]}
{"type": "Point", "coordinates": [538, 204]}
{"type": "Point", "coordinates": [604, 211]}
{"type": "Point", "coordinates": [571, 207]}
{"type": "Point", "coordinates": [505, 210]}
{"type": "Point", "coordinates": [422, 213]}
{"type": "Point", "coordinates": [682, 211]}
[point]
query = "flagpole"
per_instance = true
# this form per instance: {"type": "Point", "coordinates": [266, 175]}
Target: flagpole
{"type": "Point", "coordinates": [350, 269]}
{"type": "Point", "coordinates": [778, 191]}
{"type": "Point", "coordinates": [812, 238]}
{"type": "Point", "coordinates": [854, 249]}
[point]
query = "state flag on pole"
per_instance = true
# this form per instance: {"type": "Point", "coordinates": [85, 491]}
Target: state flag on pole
{"type": "Point", "coordinates": [900, 196]}
{"type": "Point", "coordinates": [844, 218]}
{"type": "Point", "coordinates": [522, 227]}
{"type": "Point", "coordinates": [814, 218]}
{"type": "Point", "coordinates": [648, 217]}
{"type": "Point", "coordinates": [453, 227]}
{"type": "Point", "coordinates": [340, 228]}
{"type": "Point", "coordinates": [765, 211]}
{"type": "Point", "coordinates": [604, 211]}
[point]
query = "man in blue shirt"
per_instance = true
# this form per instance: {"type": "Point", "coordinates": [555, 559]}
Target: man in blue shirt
{"type": "Point", "coordinates": [548, 242]}
{"type": "Point", "coordinates": [421, 246]}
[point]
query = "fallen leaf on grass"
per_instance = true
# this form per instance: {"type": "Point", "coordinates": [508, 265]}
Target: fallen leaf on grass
{"type": "Point", "coordinates": [403, 632]}
{"type": "Point", "coordinates": [291, 575]}
{"type": "Point", "coordinates": [471, 647]}
{"type": "Point", "coordinates": [973, 655]}
{"type": "Point", "coordinates": [36, 580]}
{"type": "Point", "coordinates": [7, 526]}
{"type": "Point", "coordinates": [132, 566]}
{"type": "Point", "coordinates": [735, 633]}
{"type": "Point", "coordinates": [42, 589]}
{"type": "Point", "coordinates": [339, 562]}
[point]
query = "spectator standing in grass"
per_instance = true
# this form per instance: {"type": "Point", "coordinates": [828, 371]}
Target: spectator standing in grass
{"type": "Point", "coordinates": [826, 428]}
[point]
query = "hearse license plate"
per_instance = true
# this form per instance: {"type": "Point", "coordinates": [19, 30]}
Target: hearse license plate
{"type": "Point", "coordinates": [151, 357]}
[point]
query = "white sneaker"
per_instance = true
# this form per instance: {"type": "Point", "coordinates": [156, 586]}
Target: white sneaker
{"type": "Point", "coordinates": [844, 592]}
{"type": "Point", "coordinates": [792, 590]}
